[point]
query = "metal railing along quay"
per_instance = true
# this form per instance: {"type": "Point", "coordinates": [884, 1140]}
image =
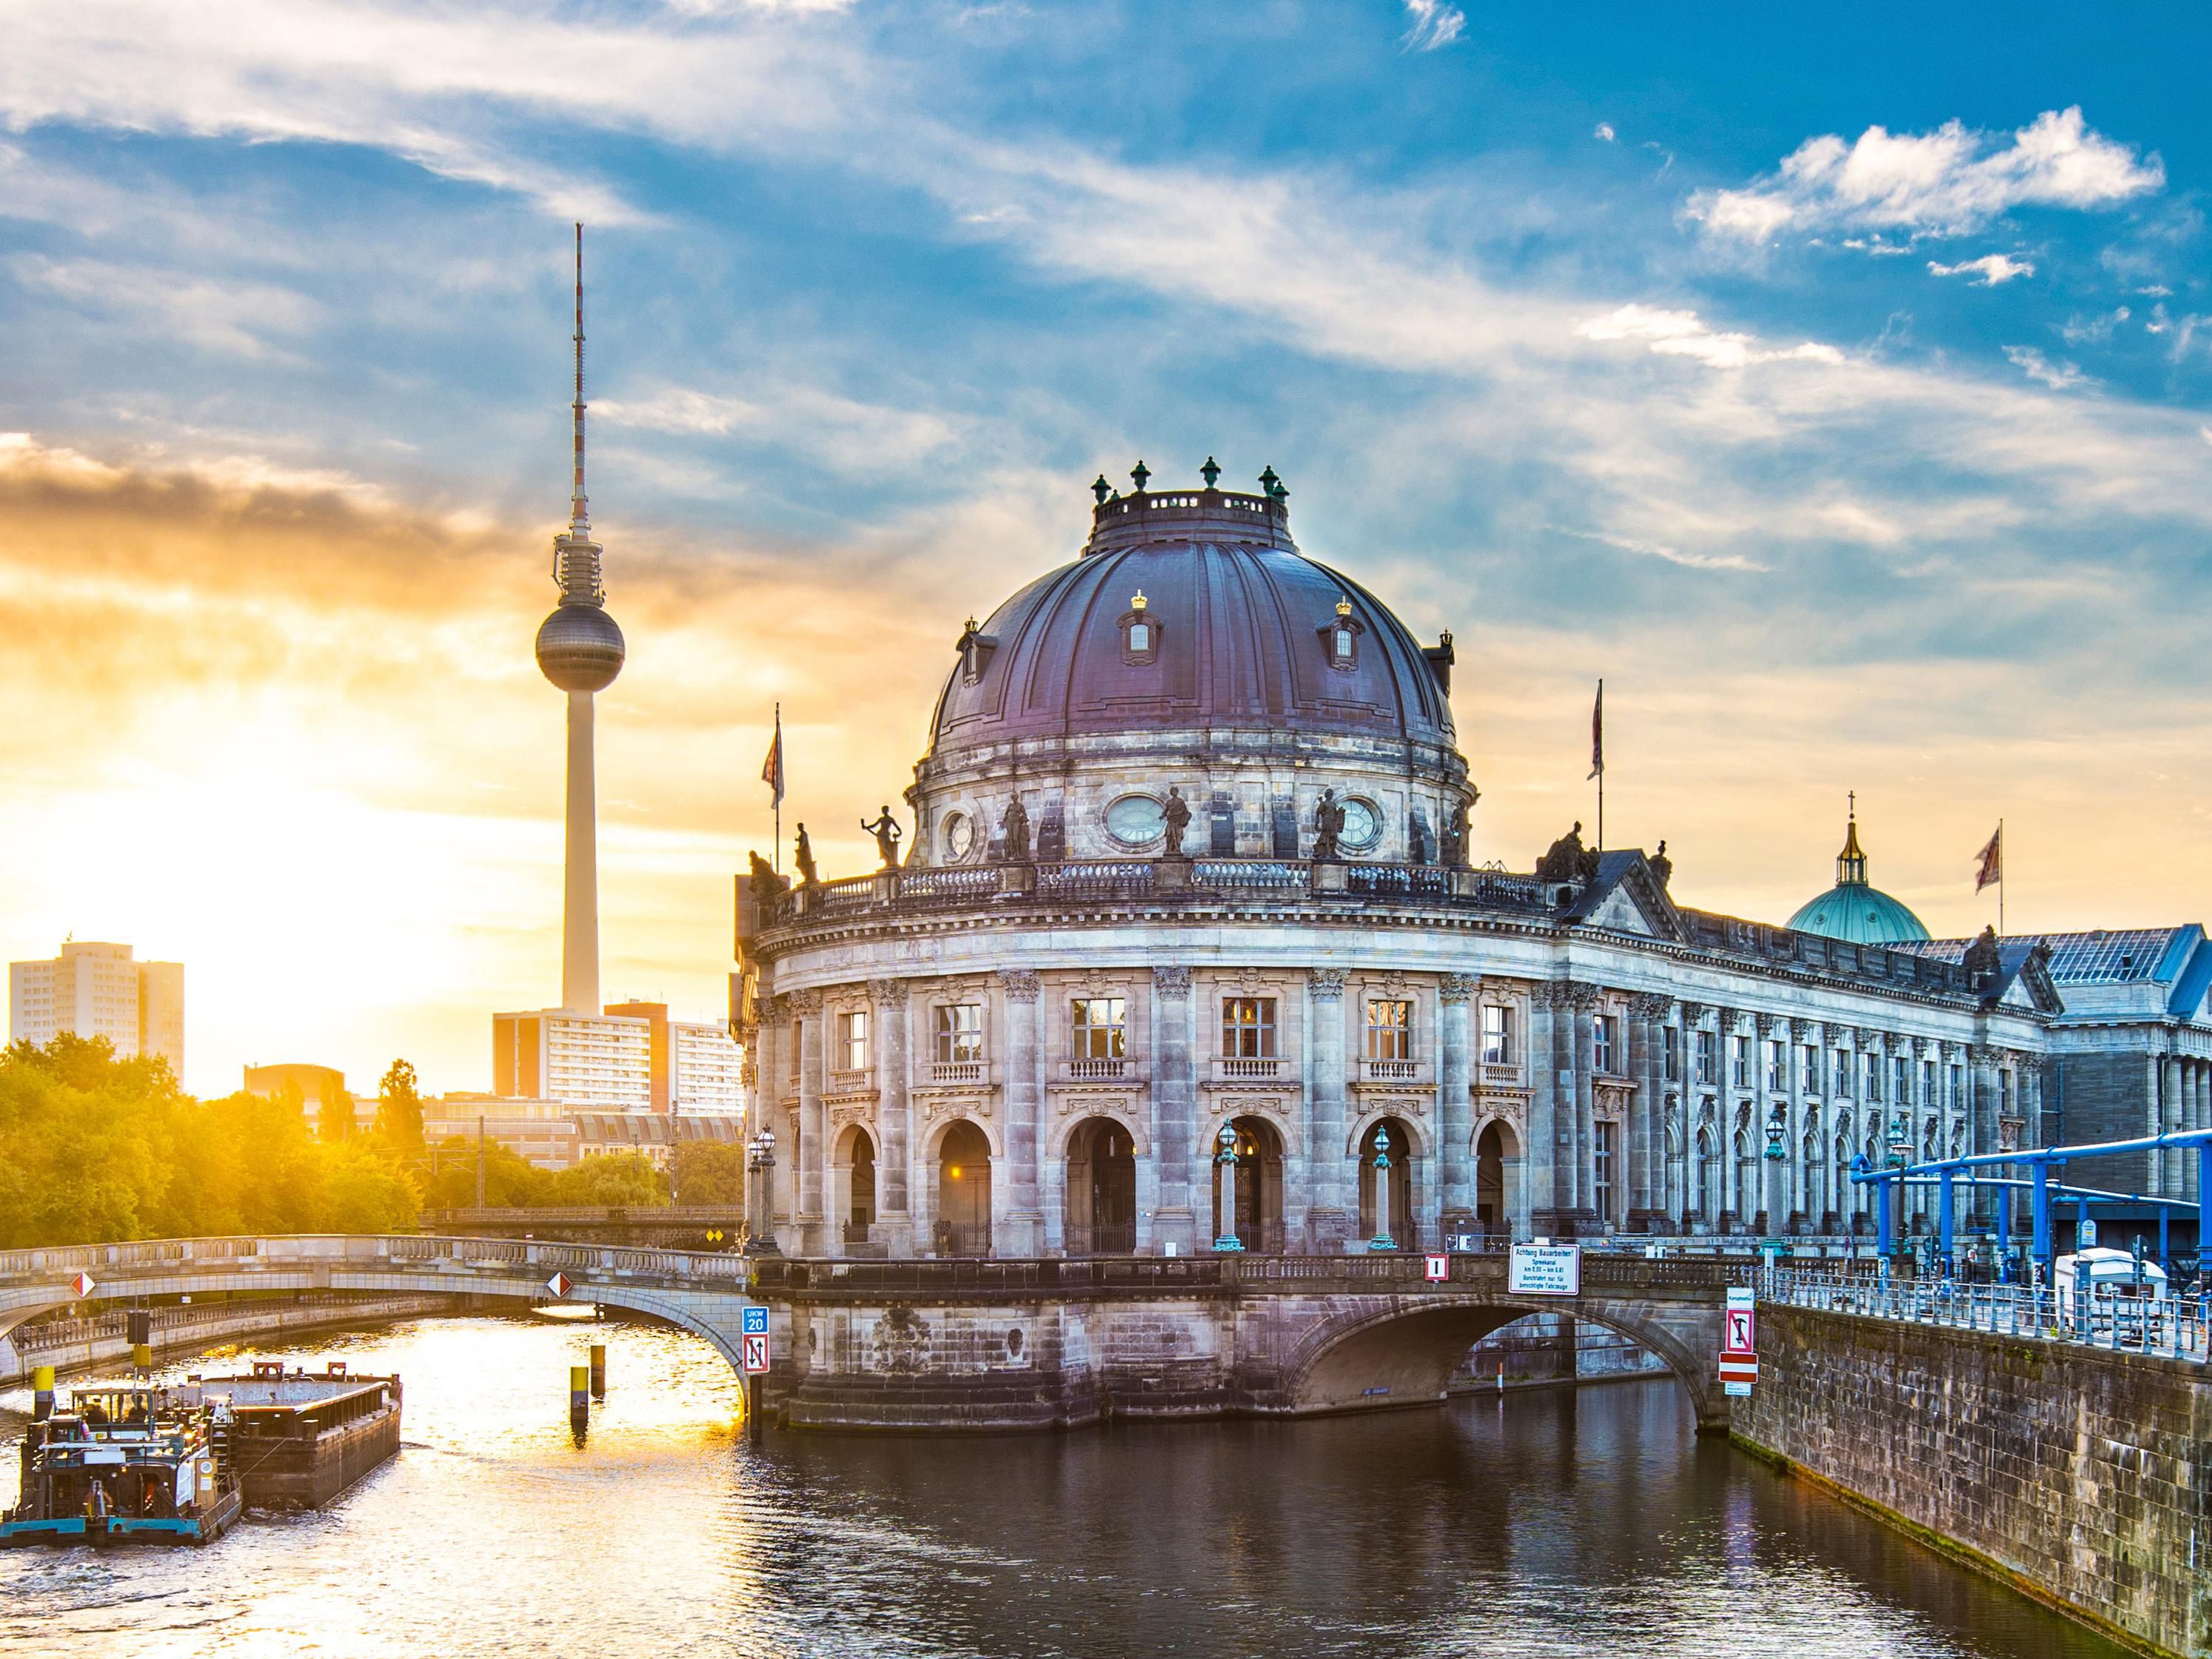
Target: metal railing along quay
{"type": "Point", "coordinates": [2165, 1328]}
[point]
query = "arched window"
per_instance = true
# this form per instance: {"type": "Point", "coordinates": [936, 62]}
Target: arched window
{"type": "Point", "coordinates": [1141, 633]}
{"type": "Point", "coordinates": [1339, 637]}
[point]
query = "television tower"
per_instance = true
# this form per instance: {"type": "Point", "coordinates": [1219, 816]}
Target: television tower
{"type": "Point", "coordinates": [580, 649]}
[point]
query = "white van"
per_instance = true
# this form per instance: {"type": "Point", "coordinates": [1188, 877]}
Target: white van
{"type": "Point", "coordinates": [2108, 1274]}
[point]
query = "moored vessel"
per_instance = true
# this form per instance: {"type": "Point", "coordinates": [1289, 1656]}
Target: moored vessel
{"type": "Point", "coordinates": [124, 1465]}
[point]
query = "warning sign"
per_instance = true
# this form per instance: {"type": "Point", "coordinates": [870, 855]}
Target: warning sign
{"type": "Point", "coordinates": [1438, 1268]}
{"type": "Point", "coordinates": [1737, 1338]}
{"type": "Point", "coordinates": [755, 1353]}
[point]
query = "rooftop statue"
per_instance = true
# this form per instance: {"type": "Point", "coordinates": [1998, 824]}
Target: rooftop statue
{"type": "Point", "coordinates": [1329, 828]}
{"type": "Point", "coordinates": [803, 858]}
{"type": "Point", "coordinates": [1175, 813]}
{"type": "Point", "coordinates": [1568, 859]}
{"type": "Point", "coordinates": [1662, 865]}
{"type": "Point", "coordinates": [1981, 960]}
{"type": "Point", "coordinates": [887, 832]}
{"type": "Point", "coordinates": [765, 882]}
{"type": "Point", "coordinates": [1016, 824]}
{"type": "Point", "coordinates": [1456, 835]}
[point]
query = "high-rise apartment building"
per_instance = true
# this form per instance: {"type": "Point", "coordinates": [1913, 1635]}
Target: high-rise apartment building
{"type": "Point", "coordinates": [630, 1058]}
{"type": "Point", "coordinates": [95, 989]}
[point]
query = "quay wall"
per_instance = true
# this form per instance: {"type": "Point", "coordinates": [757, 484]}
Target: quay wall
{"type": "Point", "coordinates": [75, 1346]}
{"type": "Point", "coordinates": [2081, 1477]}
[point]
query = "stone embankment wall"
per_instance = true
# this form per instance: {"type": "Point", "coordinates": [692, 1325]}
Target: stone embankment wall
{"type": "Point", "coordinates": [2081, 1476]}
{"type": "Point", "coordinates": [77, 1346]}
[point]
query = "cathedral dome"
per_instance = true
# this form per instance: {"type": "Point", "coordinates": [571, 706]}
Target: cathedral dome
{"type": "Point", "coordinates": [1192, 643]}
{"type": "Point", "coordinates": [1854, 911]}
{"type": "Point", "coordinates": [1194, 610]}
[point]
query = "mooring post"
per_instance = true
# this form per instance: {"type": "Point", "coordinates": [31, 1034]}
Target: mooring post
{"type": "Point", "coordinates": [42, 1392]}
{"type": "Point", "coordinates": [580, 1398]}
{"type": "Point", "coordinates": [598, 1370]}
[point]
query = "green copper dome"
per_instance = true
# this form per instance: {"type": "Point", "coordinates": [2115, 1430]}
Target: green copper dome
{"type": "Point", "coordinates": [1854, 911]}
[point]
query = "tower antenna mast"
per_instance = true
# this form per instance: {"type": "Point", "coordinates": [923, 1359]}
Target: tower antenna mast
{"type": "Point", "coordinates": [580, 517]}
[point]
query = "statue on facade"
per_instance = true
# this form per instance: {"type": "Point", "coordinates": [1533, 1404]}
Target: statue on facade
{"type": "Point", "coordinates": [765, 882]}
{"type": "Point", "coordinates": [1456, 835]}
{"type": "Point", "coordinates": [1016, 824]}
{"type": "Point", "coordinates": [803, 858]}
{"type": "Point", "coordinates": [1981, 961]}
{"type": "Point", "coordinates": [887, 832]}
{"type": "Point", "coordinates": [1662, 865]}
{"type": "Point", "coordinates": [1329, 828]}
{"type": "Point", "coordinates": [1568, 859]}
{"type": "Point", "coordinates": [1175, 814]}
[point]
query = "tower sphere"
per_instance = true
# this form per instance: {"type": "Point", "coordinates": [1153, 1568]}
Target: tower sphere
{"type": "Point", "coordinates": [579, 648]}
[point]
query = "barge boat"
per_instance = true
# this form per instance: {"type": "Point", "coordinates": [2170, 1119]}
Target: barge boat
{"type": "Point", "coordinates": [297, 1441]}
{"type": "Point", "coordinates": [123, 1465]}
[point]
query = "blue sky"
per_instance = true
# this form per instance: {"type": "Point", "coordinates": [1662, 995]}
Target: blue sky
{"type": "Point", "coordinates": [1838, 384]}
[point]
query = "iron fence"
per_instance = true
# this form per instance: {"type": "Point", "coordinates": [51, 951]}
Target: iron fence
{"type": "Point", "coordinates": [2167, 1326]}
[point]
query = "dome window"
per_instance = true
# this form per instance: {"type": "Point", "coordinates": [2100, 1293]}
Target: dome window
{"type": "Point", "coordinates": [976, 648]}
{"type": "Point", "coordinates": [1339, 637]}
{"type": "Point", "coordinates": [1140, 633]}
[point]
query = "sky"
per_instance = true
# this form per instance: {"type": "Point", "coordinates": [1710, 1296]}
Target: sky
{"type": "Point", "coordinates": [1836, 384]}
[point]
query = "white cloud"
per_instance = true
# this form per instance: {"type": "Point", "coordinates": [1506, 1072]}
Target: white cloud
{"type": "Point", "coordinates": [2058, 376]}
{"type": "Point", "coordinates": [1435, 24]}
{"type": "Point", "coordinates": [1949, 182]}
{"type": "Point", "coordinates": [2092, 331]}
{"type": "Point", "coordinates": [1685, 334]}
{"type": "Point", "coordinates": [1987, 271]}
{"type": "Point", "coordinates": [1603, 131]}
{"type": "Point", "coordinates": [850, 435]}
{"type": "Point", "coordinates": [1651, 550]}
{"type": "Point", "coordinates": [231, 318]}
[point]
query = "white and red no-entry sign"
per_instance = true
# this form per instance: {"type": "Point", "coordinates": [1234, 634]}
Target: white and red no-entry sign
{"type": "Point", "coordinates": [83, 1285]}
{"type": "Point", "coordinates": [1739, 1368]}
{"type": "Point", "coordinates": [560, 1284]}
{"type": "Point", "coordinates": [1438, 1268]}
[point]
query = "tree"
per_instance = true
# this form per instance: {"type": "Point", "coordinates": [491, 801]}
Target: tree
{"type": "Point", "coordinates": [399, 1108]}
{"type": "Point", "coordinates": [334, 1117]}
{"type": "Point", "coordinates": [631, 1179]}
{"type": "Point", "coordinates": [710, 1172]}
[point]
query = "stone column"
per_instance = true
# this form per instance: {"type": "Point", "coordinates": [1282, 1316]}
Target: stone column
{"type": "Point", "coordinates": [893, 1226]}
{"type": "Point", "coordinates": [1732, 1202]}
{"type": "Point", "coordinates": [1334, 1217]}
{"type": "Point", "coordinates": [1018, 1222]}
{"type": "Point", "coordinates": [1579, 1154]}
{"type": "Point", "coordinates": [1455, 1099]}
{"type": "Point", "coordinates": [1645, 1041]}
{"type": "Point", "coordinates": [1547, 1085]}
{"type": "Point", "coordinates": [811, 1156]}
{"type": "Point", "coordinates": [2173, 1114]}
{"type": "Point", "coordinates": [1174, 1219]}
{"type": "Point", "coordinates": [1809, 1201]}
{"type": "Point", "coordinates": [1982, 1123]}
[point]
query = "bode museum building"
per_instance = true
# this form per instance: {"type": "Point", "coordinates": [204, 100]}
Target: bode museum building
{"type": "Point", "coordinates": [1188, 948]}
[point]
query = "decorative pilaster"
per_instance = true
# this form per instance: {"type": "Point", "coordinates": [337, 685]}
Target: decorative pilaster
{"type": "Point", "coordinates": [811, 1157]}
{"type": "Point", "coordinates": [1017, 1221]}
{"type": "Point", "coordinates": [1174, 1219]}
{"type": "Point", "coordinates": [1456, 1101]}
{"type": "Point", "coordinates": [1333, 1217]}
{"type": "Point", "coordinates": [894, 1118]}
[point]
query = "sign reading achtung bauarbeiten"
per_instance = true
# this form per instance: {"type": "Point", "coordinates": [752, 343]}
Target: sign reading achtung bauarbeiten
{"type": "Point", "coordinates": [1546, 1270]}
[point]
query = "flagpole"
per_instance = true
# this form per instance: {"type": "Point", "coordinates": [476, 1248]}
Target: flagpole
{"type": "Point", "coordinates": [2001, 878]}
{"type": "Point", "coordinates": [779, 788]}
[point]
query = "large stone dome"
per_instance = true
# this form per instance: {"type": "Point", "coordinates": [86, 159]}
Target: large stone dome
{"type": "Point", "coordinates": [1192, 633]}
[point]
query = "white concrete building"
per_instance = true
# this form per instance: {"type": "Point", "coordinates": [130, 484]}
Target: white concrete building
{"type": "Point", "coordinates": [706, 1070]}
{"type": "Point", "coordinates": [580, 1059]}
{"type": "Point", "coordinates": [96, 989]}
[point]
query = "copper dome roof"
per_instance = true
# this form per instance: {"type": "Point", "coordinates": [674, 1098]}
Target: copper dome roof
{"type": "Point", "coordinates": [1245, 627]}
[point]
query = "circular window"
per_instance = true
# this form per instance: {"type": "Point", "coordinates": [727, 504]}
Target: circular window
{"type": "Point", "coordinates": [1136, 821]}
{"type": "Point", "coordinates": [959, 835]}
{"type": "Point", "coordinates": [1362, 823]}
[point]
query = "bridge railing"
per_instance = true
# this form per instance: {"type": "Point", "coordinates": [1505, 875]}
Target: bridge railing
{"type": "Point", "coordinates": [2169, 1328]}
{"type": "Point", "coordinates": [362, 1251]}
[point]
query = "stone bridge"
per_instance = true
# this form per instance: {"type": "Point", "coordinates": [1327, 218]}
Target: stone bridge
{"type": "Point", "coordinates": [964, 1343]}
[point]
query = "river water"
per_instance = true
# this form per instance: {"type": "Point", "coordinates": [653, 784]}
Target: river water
{"type": "Point", "coordinates": [1538, 1524]}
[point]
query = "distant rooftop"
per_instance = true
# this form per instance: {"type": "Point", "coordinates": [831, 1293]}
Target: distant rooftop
{"type": "Point", "coordinates": [2126, 956]}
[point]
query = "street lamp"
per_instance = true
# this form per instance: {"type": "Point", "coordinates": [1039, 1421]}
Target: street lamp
{"type": "Point", "coordinates": [1381, 1241]}
{"type": "Point", "coordinates": [760, 1159]}
{"type": "Point", "coordinates": [1777, 1207]}
{"type": "Point", "coordinates": [1226, 1161]}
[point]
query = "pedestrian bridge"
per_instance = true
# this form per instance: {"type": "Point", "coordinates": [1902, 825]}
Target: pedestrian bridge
{"type": "Point", "coordinates": [981, 1344]}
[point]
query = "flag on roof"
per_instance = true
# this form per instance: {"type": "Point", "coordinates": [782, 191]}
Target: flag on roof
{"type": "Point", "coordinates": [1597, 734]}
{"type": "Point", "coordinates": [1991, 859]}
{"type": "Point", "coordinates": [772, 769]}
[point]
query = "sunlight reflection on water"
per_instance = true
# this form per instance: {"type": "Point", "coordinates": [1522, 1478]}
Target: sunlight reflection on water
{"type": "Point", "coordinates": [1547, 1524]}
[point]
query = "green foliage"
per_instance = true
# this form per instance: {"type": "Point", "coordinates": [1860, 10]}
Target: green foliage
{"type": "Point", "coordinates": [93, 1149]}
{"type": "Point", "coordinates": [626, 1178]}
{"type": "Point", "coordinates": [511, 1183]}
{"type": "Point", "coordinates": [334, 1117]}
{"type": "Point", "coordinates": [710, 1172]}
{"type": "Point", "coordinates": [399, 1109]}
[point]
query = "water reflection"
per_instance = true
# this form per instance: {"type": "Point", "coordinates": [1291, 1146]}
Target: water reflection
{"type": "Point", "coordinates": [1543, 1524]}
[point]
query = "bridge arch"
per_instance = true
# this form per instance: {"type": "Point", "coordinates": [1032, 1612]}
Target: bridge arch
{"type": "Point", "coordinates": [1405, 1351]}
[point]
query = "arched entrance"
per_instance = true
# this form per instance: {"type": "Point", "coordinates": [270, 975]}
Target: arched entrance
{"type": "Point", "coordinates": [1405, 1227]}
{"type": "Point", "coordinates": [1496, 1161]}
{"type": "Point", "coordinates": [854, 1172]}
{"type": "Point", "coordinates": [1259, 1184]}
{"type": "Point", "coordinates": [963, 1192]}
{"type": "Point", "coordinates": [1101, 1189]}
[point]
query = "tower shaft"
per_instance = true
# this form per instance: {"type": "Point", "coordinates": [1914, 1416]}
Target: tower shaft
{"type": "Point", "coordinates": [579, 907]}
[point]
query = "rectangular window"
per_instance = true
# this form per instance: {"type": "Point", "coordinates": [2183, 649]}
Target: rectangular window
{"type": "Point", "coordinates": [1901, 1075]}
{"type": "Point", "coordinates": [2004, 1093]}
{"type": "Point", "coordinates": [1671, 1054]}
{"type": "Point", "coordinates": [1099, 1028]}
{"type": "Point", "coordinates": [1601, 1169]}
{"type": "Point", "coordinates": [1601, 1044]}
{"type": "Point", "coordinates": [1497, 1034]}
{"type": "Point", "coordinates": [1740, 1061]}
{"type": "Point", "coordinates": [1928, 1082]}
{"type": "Point", "coordinates": [1248, 1027]}
{"type": "Point", "coordinates": [852, 1041]}
{"type": "Point", "coordinates": [1705, 1042]}
{"type": "Point", "coordinates": [1389, 1031]}
{"type": "Point", "coordinates": [1871, 1065]}
{"type": "Point", "coordinates": [1778, 1062]}
{"type": "Point", "coordinates": [1813, 1079]}
{"type": "Point", "coordinates": [797, 1027]}
{"type": "Point", "coordinates": [960, 1033]}
{"type": "Point", "coordinates": [1842, 1060]}
{"type": "Point", "coordinates": [1958, 1088]}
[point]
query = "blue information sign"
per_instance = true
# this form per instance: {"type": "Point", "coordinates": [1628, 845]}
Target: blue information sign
{"type": "Point", "coordinates": [756, 1321]}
